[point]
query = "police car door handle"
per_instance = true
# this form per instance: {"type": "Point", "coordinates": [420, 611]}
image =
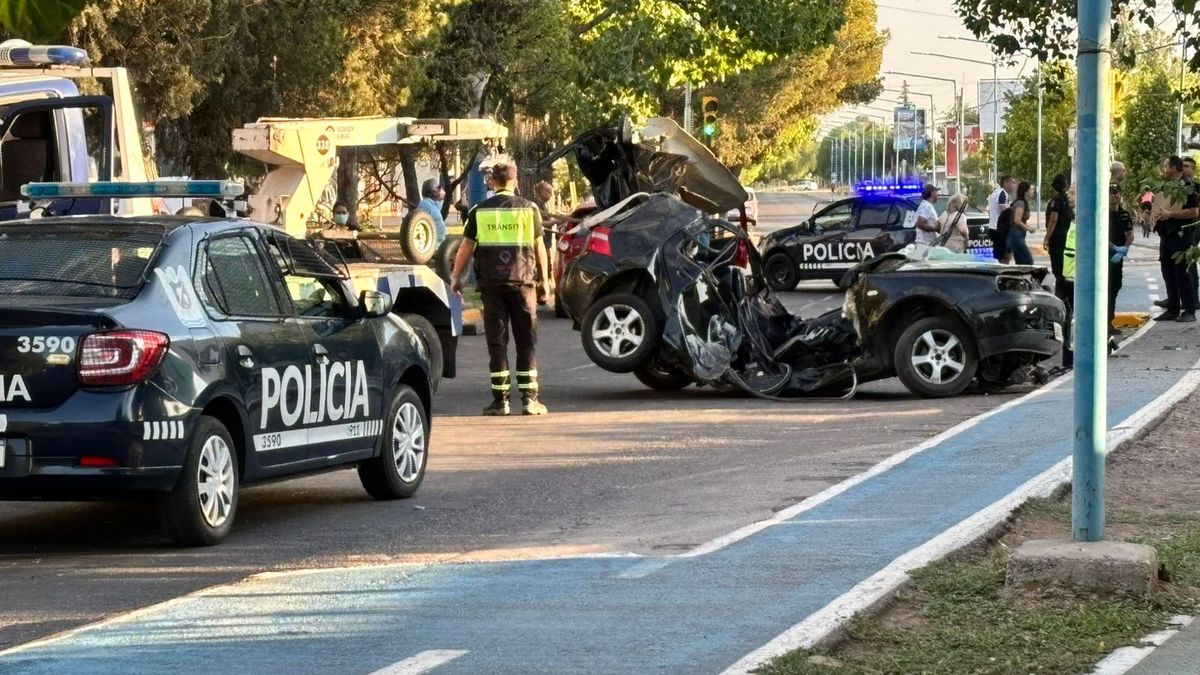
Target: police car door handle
{"type": "Point", "coordinates": [245, 356]}
{"type": "Point", "coordinates": [321, 353]}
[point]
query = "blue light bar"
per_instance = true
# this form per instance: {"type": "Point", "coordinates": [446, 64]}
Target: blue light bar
{"type": "Point", "coordinates": [904, 187]}
{"type": "Point", "coordinates": [211, 189]}
{"type": "Point", "coordinates": [24, 55]}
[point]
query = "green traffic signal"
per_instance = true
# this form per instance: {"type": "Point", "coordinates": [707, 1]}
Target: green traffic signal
{"type": "Point", "coordinates": [710, 130]}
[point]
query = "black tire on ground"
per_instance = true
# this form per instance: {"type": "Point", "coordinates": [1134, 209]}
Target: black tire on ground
{"type": "Point", "coordinates": [398, 470]}
{"type": "Point", "coordinates": [936, 357]}
{"type": "Point", "coordinates": [994, 374]}
{"type": "Point", "coordinates": [433, 344]}
{"type": "Point", "coordinates": [418, 237]}
{"type": "Point", "coordinates": [781, 272]}
{"type": "Point", "coordinates": [560, 310]}
{"type": "Point", "coordinates": [621, 332]}
{"type": "Point", "coordinates": [662, 376]}
{"type": "Point", "coordinates": [200, 509]}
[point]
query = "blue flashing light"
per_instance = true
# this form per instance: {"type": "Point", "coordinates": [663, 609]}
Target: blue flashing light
{"type": "Point", "coordinates": [21, 54]}
{"type": "Point", "coordinates": [198, 189]}
{"type": "Point", "coordinates": [905, 187]}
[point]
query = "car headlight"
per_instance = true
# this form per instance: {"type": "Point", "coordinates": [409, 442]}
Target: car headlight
{"type": "Point", "coordinates": [1012, 284]}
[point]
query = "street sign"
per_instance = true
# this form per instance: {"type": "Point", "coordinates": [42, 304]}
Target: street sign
{"type": "Point", "coordinates": [989, 99]}
{"type": "Point", "coordinates": [909, 128]}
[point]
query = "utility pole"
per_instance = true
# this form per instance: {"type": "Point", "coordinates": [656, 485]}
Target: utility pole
{"type": "Point", "coordinates": [1041, 100]}
{"type": "Point", "coordinates": [687, 107]}
{"type": "Point", "coordinates": [1179, 119]}
{"type": "Point", "coordinates": [1094, 123]}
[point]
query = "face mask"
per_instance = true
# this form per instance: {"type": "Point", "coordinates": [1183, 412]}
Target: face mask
{"type": "Point", "coordinates": [341, 218]}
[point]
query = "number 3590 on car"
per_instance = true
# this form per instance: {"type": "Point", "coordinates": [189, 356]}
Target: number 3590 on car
{"type": "Point", "coordinates": [182, 358]}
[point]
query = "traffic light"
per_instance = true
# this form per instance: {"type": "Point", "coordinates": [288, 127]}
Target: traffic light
{"type": "Point", "coordinates": [709, 108]}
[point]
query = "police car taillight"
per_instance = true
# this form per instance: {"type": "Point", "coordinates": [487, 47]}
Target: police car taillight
{"type": "Point", "coordinates": [742, 257]}
{"type": "Point", "coordinates": [597, 241]}
{"type": "Point", "coordinates": [120, 358]}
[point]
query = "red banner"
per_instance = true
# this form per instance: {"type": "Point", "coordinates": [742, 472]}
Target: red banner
{"type": "Point", "coordinates": [971, 145]}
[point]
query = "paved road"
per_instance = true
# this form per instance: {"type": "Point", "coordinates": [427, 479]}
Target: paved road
{"type": "Point", "coordinates": [616, 468]}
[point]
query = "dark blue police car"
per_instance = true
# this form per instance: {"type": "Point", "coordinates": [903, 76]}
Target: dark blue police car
{"type": "Point", "coordinates": [181, 358]}
{"type": "Point", "coordinates": [880, 219]}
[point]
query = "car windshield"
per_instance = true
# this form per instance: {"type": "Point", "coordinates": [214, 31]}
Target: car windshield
{"type": "Point", "coordinates": [92, 260]}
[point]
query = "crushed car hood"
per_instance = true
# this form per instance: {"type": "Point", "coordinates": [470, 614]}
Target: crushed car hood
{"type": "Point", "coordinates": [620, 161]}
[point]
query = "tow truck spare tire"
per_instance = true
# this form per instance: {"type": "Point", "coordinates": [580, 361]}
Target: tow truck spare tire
{"type": "Point", "coordinates": [418, 237]}
{"type": "Point", "coordinates": [936, 357]}
{"type": "Point", "coordinates": [621, 332]}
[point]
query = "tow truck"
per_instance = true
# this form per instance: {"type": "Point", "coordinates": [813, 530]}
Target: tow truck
{"type": "Point", "coordinates": [49, 132]}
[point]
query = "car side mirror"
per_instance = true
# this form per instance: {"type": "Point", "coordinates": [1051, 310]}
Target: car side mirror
{"type": "Point", "coordinates": [374, 304]}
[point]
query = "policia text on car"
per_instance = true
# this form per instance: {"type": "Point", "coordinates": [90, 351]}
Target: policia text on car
{"type": "Point", "coordinates": [504, 232]}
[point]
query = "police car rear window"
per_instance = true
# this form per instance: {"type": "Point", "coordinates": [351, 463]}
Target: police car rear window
{"type": "Point", "coordinates": [76, 260]}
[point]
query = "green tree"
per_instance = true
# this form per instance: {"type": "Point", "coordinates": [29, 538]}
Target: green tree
{"type": "Point", "coordinates": [1046, 28]}
{"type": "Point", "coordinates": [770, 111]}
{"type": "Point", "coordinates": [37, 20]}
{"type": "Point", "coordinates": [1149, 129]}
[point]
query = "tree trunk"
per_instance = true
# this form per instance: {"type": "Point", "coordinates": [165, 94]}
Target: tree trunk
{"type": "Point", "coordinates": [347, 182]}
{"type": "Point", "coordinates": [408, 166]}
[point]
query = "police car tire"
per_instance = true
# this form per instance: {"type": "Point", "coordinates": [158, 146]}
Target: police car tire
{"type": "Point", "coordinates": [433, 345]}
{"type": "Point", "coordinates": [651, 333]}
{"type": "Point", "coordinates": [907, 372]}
{"type": "Point", "coordinates": [181, 506]}
{"type": "Point", "coordinates": [418, 237]}
{"type": "Point", "coordinates": [380, 475]}
{"type": "Point", "coordinates": [781, 272]}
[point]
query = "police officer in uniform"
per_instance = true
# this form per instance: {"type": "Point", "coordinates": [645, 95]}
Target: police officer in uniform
{"type": "Point", "coordinates": [504, 233]}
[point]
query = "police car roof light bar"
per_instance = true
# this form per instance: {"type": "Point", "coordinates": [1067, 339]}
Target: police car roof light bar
{"type": "Point", "coordinates": [22, 54]}
{"type": "Point", "coordinates": [905, 187]}
{"type": "Point", "coordinates": [197, 189]}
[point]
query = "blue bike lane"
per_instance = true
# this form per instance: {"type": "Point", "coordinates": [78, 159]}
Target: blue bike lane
{"type": "Point", "coordinates": [617, 614]}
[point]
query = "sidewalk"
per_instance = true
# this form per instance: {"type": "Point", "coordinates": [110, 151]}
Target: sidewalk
{"type": "Point", "coordinates": [700, 612]}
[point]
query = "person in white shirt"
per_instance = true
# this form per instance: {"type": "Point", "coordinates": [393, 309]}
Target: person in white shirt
{"type": "Point", "coordinates": [998, 201]}
{"type": "Point", "coordinates": [927, 217]}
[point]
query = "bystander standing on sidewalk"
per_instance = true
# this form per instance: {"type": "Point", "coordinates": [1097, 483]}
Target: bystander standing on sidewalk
{"type": "Point", "coordinates": [1059, 217]}
{"type": "Point", "coordinates": [927, 217]}
{"type": "Point", "coordinates": [1020, 213]}
{"type": "Point", "coordinates": [1175, 238]}
{"type": "Point", "coordinates": [1120, 238]}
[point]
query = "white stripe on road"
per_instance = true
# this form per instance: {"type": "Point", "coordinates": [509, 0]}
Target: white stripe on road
{"type": "Point", "coordinates": [820, 625]}
{"type": "Point", "coordinates": [421, 663]}
{"type": "Point", "coordinates": [583, 367]}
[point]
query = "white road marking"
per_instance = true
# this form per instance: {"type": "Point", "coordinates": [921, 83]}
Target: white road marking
{"type": "Point", "coordinates": [1124, 659]}
{"type": "Point", "coordinates": [421, 663]}
{"type": "Point", "coordinates": [823, 623]}
{"type": "Point", "coordinates": [583, 367]}
{"type": "Point", "coordinates": [1153, 287]}
{"type": "Point", "coordinates": [1154, 296]}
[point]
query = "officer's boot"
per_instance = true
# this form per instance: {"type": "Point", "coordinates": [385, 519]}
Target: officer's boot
{"type": "Point", "coordinates": [527, 382]}
{"type": "Point", "coordinates": [500, 389]}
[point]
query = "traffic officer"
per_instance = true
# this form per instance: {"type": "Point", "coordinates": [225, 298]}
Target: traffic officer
{"type": "Point", "coordinates": [504, 233]}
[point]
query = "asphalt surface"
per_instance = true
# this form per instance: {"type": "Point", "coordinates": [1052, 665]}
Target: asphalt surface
{"type": "Point", "coordinates": [615, 468]}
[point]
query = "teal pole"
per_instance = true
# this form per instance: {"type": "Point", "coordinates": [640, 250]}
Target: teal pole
{"type": "Point", "coordinates": [1094, 118]}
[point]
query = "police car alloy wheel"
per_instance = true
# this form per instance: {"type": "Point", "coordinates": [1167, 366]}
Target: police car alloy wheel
{"type": "Point", "coordinates": [936, 357]}
{"type": "Point", "coordinates": [781, 272]}
{"type": "Point", "coordinates": [398, 470]}
{"type": "Point", "coordinates": [201, 508]}
{"type": "Point", "coordinates": [621, 332]}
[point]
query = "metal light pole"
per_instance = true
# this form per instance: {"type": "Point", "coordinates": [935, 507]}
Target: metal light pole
{"type": "Point", "coordinates": [958, 143]}
{"type": "Point", "coordinates": [1094, 124]}
{"type": "Point", "coordinates": [687, 107]}
{"type": "Point", "coordinates": [1179, 123]}
{"type": "Point", "coordinates": [995, 102]}
{"type": "Point", "coordinates": [1041, 100]}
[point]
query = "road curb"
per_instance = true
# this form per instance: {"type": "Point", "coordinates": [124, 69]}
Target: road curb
{"type": "Point", "coordinates": [827, 626]}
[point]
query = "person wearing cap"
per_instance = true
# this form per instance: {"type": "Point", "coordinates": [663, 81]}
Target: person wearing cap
{"type": "Point", "coordinates": [432, 194]}
{"type": "Point", "coordinates": [504, 234]}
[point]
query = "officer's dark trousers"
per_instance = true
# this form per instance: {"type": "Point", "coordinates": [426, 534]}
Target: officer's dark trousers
{"type": "Point", "coordinates": [1181, 291]}
{"type": "Point", "coordinates": [515, 306]}
{"type": "Point", "coordinates": [1116, 277]}
{"type": "Point", "coordinates": [1066, 293]}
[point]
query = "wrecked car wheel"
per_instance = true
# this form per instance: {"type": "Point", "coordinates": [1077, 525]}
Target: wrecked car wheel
{"type": "Point", "coordinates": [781, 272]}
{"type": "Point", "coordinates": [621, 332]}
{"type": "Point", "coordinates": [662, 376]}
{"type": "Point", "coordinates": [935, 357]}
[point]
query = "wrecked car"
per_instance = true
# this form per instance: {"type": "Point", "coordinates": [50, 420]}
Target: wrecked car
{"type": "Point", "coordinates": [677, 296]}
